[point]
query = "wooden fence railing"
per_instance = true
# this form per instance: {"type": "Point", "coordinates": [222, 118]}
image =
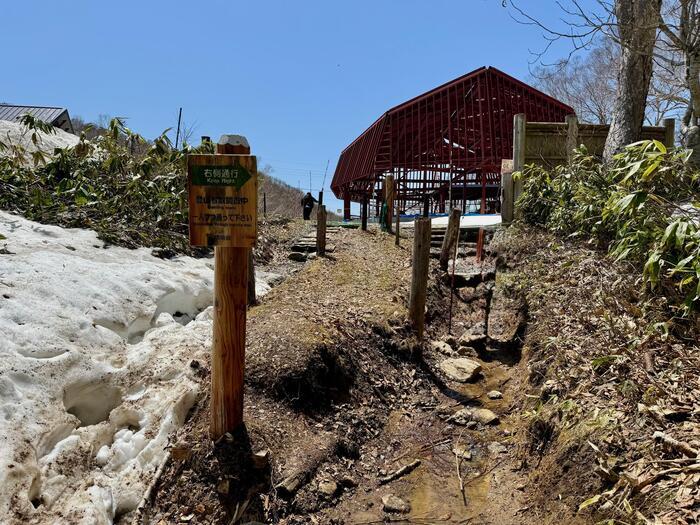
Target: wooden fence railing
{"type": "Point", "coordinates": [552, 143]}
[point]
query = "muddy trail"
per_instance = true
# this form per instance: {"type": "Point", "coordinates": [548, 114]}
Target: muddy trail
{"type": "Point", "coordinates": [351, 420]}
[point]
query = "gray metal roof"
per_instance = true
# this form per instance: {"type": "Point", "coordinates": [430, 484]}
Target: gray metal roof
{"type": "Point", "coordinates": [56, 116]}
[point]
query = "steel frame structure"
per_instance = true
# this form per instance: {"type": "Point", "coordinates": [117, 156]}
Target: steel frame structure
{"type": "Point", "coordinates": [445, 146]}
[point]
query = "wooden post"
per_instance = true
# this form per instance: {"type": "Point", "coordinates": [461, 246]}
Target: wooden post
{"type": "Point", "coordinates": [398, 220]}
{"type": "Point", "coordinates": [346, 207]}
{"type": "Point", "coordinates": [670, 135]}
{"type": "Point", "coordinates": [426, 206]}
{"type": "Point", "coordinates": [571, 136]}
{"type": "Point", "coordinates": [480, 246]}
{"type": "Point", "coordinates": [321, 231]}
{"type": "Point", "coordinates": [231, 288]}
{"type": "Point", "coordinates": [265, 205]}
{"type": "Point", "coordinates": [389, 199]}
{"type": "Point", "coordinates": [451, 237]}
{"type": "Point", "coordinates": [364, 211]}
{"type": "Point", "coordinates": [507, 191]}
{"type": "Point", "coordinates": [320, 198]}
{"type": "Point", "coordinates": [419, 281]}
{"type": "Point", "coordinates": [519, 125]}
{"type": "Point", "coordinates": [252, 297]}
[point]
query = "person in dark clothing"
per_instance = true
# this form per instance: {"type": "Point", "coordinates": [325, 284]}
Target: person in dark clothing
{"type": "Point", "coordinates": [308, 204]}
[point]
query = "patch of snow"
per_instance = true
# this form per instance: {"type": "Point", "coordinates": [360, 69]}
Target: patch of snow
{"type": "Point", "coordinates": [476, 220]}
{"type": "Point", "coordinates": [96, 345]}
{"type": "Point", "coordinates": [16, 133]}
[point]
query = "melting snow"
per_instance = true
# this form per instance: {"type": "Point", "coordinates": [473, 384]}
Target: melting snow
{"type": "Point", "coordinates": [16, 133]}
{"type": "Point", "coordinates": [96, 345]}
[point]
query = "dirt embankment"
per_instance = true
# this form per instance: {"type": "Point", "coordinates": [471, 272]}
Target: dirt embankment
{"type": "Point", "coordinates": [351, 421]}
{"type": "Point", "coordinates": [613, 406]}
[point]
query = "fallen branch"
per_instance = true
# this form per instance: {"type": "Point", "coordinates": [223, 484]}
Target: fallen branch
{"type": "Point", "coordinates": [423, 448]}
{"type": "Point", "coordinates": [678, 446]}
{"type": "Point", "coordinates": [138, 515]}
{"type": "Point", "coordinates": [659, 475]}
{"type": "Point", "coordinates": [401, 472]}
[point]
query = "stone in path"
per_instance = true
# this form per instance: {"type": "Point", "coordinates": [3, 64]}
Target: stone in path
{"type": "Point", "coordinates": [442, 347]}
{"type": "Point", "coordinates": [480, 415]}
{"type": "Point", "coordinates": [460, 369]}
{"type": "Point", "coordinates": [393, 503]}
{"type": "Point", "coordinates": [328, 488]}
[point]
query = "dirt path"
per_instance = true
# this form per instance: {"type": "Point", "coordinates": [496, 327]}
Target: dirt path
{"type": "Point", "coordinates": [340, 396]}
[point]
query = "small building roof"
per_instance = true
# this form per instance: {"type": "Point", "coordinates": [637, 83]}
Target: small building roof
{"type": "Point", "coordinates": [53, 115]}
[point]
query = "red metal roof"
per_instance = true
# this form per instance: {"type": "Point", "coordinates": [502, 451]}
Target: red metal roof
{"type": "Point", "coordinates": [460, 128]}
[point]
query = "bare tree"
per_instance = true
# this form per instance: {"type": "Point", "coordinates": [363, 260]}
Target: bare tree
{"type": "Point", "coordinates": [637, 23]}
{"type": "Point", "coordinates": [586, 83]}
{"type": "Point", "coordinates": [680, 32]}
{"type": "Point", "coordinates": [633, 24]}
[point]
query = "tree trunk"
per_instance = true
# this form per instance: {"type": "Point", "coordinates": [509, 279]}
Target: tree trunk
{"type": "Point", "coordinates": [638, 21]}
{"type": "Point", "coordinates": [691, 130]}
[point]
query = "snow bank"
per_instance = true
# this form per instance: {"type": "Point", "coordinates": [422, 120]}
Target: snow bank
{"type": "Point", "coordinates": [15, 133]}
{"type": "Point", "coordinates": [96, 345]}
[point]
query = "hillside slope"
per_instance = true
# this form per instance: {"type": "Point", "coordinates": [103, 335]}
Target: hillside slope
{"type": "Point", "coordinates": [282, 199]}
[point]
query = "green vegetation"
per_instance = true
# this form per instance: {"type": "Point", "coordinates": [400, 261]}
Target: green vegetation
{"type": "Point", "coordinates": [643, 207]}
{"type": "Point", "coordinates": [131, 191]}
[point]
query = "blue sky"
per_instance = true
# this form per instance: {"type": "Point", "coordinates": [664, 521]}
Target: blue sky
{"type": "Point", "coordinates": [300, 79]}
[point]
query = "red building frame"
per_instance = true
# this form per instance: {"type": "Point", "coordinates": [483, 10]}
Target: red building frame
{"type": "Point", "coordinates": [444, 146]}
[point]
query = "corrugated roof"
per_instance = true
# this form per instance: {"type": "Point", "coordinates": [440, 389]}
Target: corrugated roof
{"type": "Point", "coordinates": [14, 113]}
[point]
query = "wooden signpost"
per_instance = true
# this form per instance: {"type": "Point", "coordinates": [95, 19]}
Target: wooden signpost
{"type": "Point", "coordinates": [223, 191]}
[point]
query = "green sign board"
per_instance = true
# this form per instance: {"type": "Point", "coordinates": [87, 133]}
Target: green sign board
{"type": "Point", "coordinates": [235, 176]}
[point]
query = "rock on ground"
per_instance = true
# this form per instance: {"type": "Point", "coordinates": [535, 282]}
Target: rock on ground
{"type": "Point", "coordinates": [460, 369]}
{"type": "Point", "coordinates": [479, 415]}
{"type": "Point", "coordinates": [442, 347]}
{"type": "Point", "coordinates": [393, 503]}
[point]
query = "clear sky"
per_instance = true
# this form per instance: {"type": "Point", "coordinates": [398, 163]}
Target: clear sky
{"type": "Point", "coordinates": [300, 79]}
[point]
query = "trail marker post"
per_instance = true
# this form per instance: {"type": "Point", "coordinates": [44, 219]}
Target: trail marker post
{"type": "Point", "coordinates": [419, 278]}
{"type": "Point", "coordinates": [451, 237]}
{"type": "Point", "coordinates": [321, 231]}
{"type": "Point", "coordinates": [223, 192]}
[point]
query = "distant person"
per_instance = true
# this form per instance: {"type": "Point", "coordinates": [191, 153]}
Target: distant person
{"type": "Point", "coordinates": [308, 203]}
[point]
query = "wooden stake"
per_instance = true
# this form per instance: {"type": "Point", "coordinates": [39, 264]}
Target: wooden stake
{"type": "Point", "coordinates": [389, 199]}
{"type": "Point", "coordinates": [228, 354]}
{"type": "Point", "coordinates": [252, 297]}
{"type": "Point", "coordinates": [231, 289]}
{"type": "Point", "coordinates": [398, 221]}
{"type": "Point", "coordinates": [364, 211]}
{"type": "Point", "coordinates": [519, 126]}
{"type": "Point", "coordinates": [419, 281]}
{"type": "Point", "coordinates": [571, 136]}
{"type": "Point", "coordinates": [480, 246]}
{"type": "Point", "coordinates": [451, 236]}
{"type": "Point", "coordinates": [321, 231]}
{"type": "Point", "coordinates": [670, 132]}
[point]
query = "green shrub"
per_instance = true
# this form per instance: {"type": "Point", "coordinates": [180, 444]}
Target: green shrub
{"type": "Point", "coordinates": [643, 207]}
{"type": "Point", "coordinates": [131, 191]}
